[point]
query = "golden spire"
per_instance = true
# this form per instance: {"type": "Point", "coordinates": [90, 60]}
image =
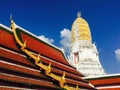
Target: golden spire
{"type": "Point", "coordinates": [78, 15]}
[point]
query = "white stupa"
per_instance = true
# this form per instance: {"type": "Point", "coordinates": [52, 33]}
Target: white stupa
{"type": "Point", "coordinates": [83, 54]}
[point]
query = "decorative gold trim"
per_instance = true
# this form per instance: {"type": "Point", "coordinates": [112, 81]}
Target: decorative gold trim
{"type": "Point", "coordinates": [71, 88]}
{"type": "Point", "coordinates": [77, 87]}
{"type": "Point", "coordinates": [38, 62]}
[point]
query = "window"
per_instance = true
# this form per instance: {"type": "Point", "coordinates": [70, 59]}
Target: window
{"type": "Point", "coordinates": [76, 58]}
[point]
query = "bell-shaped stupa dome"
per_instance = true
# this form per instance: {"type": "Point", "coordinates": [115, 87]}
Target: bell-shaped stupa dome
{"type": "Point", "coordinates": [80, 30]}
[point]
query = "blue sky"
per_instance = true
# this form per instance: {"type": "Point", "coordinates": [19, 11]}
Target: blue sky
{"type": "Point", "coordinates": [50, 17]}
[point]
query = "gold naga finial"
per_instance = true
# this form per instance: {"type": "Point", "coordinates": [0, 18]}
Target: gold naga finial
{"type": "Point", "coordinates": [63, 76]}
{"type": "Point", "coordinates": [11, 22]}
{"type": "Point", "coordinates": [38, 57]}
{"type": "Point", "coordinates": [62, 80]}
{"type": "Point", "coordinates": [10, 17]}
{"type": "Point", "coordinates": [77, 87]}
{"type": "Point", "coordinates": [79, 14]}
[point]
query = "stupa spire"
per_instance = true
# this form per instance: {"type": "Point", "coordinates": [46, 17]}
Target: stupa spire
{"type": "Point", "coordinates": [79, 14]}
{"type": "Point", "coordinates": [83, 54]}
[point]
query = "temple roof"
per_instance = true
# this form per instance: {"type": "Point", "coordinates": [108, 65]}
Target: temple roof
{"type": "Point", "coordinates": [26, 62]}
{"type": "Point", "coordinates": [34, 66]}
{"type": "Point", "coordinates": [106, 82]}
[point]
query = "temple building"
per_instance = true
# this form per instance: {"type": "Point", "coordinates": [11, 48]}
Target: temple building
{"type": "Point", "coordinates": [84, 55]}
{"type": "Point", "coordinates": [29, 63]}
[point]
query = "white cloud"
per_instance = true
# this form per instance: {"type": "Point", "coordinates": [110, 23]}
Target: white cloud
{"type": "Point", "coordinates": [42, 37]}
{"type": "Point", "coordinates": [65, 39]}
{"type": "Point", "coordinates": [117, 54]}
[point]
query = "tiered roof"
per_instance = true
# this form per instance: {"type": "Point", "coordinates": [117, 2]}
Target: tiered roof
{"type": "Point", "coordinates": [107, 82]}
{"type": "Point", "coordinates": [26, 62]}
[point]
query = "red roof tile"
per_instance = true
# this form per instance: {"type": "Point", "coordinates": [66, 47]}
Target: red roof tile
{"type": "Point", "coordinates": [17, 67]}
